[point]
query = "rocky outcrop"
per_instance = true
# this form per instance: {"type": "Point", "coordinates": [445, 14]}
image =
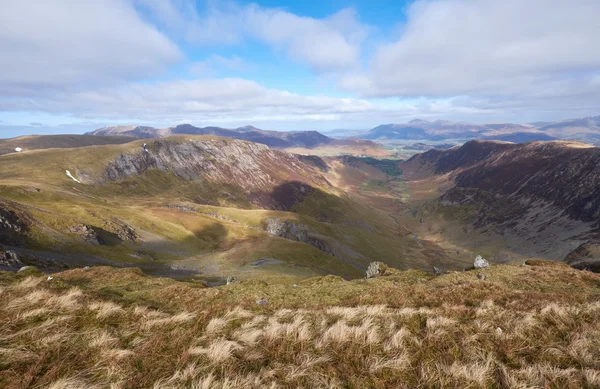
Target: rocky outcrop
{"type": "Point", "coordinates": [86, 233]}
{"type": "Point", "coordinates": [251, 166]}
{"type": "Point", "coordinates": [298, 232]}
{"type": "Point", "coordinates": [9, 260]}
{"type": "Point", "coordinates": [14, 224]}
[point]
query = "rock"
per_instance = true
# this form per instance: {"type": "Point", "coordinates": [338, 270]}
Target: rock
{"type": "Point", "coordinates": [10, 260]}
{"type": "Point", "coordinates": [375, 269]}
{"type": "Point", "coordinates": [25, 268]}
{"type": "Point", "coordinates": [499, 331]}
{"type": "Point", "coordinates": [480, 262]}
{"type": "Point", "coordinates": [262, 301]}
{"type": "Point", "coordinates": [481, 276]}
{"type": "Point", "coordinates": [11, 255]}
{"type": "Point", "coordinates": [50, 278]}
{"type": "Point", "coordinates": [86, 268]}
{"type": "Point", "coordinates": [87, 233]}
{"type": "Point", "coordinates": [298, 232]}
{"type": "Point", "coordinates": [231, 280]}
{"type": "Point", "coordinates": [437, 270]}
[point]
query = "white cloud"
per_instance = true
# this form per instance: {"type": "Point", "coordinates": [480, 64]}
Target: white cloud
{"type": "Point", "coordinates": [207, 98]}
{"type": "Point", "coordinates": [539, 48]}
{"type": "Point", "coordinates": [327, 44]}
{"type": "Point", "coordinates": [62, 43]}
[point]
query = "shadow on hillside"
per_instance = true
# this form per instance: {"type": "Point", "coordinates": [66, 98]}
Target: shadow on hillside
{"type": "Point", "coordinates": [299, 197]}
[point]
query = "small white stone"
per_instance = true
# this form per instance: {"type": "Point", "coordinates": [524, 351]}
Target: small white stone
{"type": "Point", "coordinates": [50, 278]}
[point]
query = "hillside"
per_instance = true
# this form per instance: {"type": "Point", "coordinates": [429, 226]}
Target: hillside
{"type": "Point", "coordinates": [37, 142]}
{"type": "Point", "coordinates": [194, 206]}
{"type": "Point", "coordinates": [538, 199]}
{"type": "Point", "coordinates": [533, 326]}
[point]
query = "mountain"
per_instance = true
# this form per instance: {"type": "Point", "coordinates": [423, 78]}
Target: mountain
{"type": "Point", "coordinates": [440, 130]}
{"type": "Point", "coordinates": [274, 139]}
{"type": "Point", "coordinates": [540, 198]}
{"type": "Point", "coordinates": [132, 131]}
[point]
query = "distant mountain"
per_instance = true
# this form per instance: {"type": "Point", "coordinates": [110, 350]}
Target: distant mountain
{"type": "Point", "coordinates": [274, 139]}
{"type": "Point", "coordinates": [132, 131]}
{"type": "Point", "coordinates": [440, 130]}
{"type": "Point", "coordinates": [583, 129]}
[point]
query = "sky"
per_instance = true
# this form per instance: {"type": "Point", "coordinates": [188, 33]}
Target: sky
{"type": "Point", "coordinates": [71, 66]}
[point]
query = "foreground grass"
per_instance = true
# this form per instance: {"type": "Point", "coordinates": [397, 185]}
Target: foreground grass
{"type": "Point", "coordinates": [522, 327]}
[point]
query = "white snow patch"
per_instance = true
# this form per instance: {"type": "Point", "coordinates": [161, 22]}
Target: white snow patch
{"type": "Point", "coordinates": [18, 149]}
{"type": "Point", "coordinates": [71, 177]}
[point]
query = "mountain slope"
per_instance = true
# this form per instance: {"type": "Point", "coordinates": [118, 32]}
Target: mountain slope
{"type": "Point", "coordinates": [37, 142]}
{"type": "Point", "coordinates": [528, 326]}
{"type": "Point", "coordinates": [542, 197]}
{"type": "Point", "coordinates": [203, 205]}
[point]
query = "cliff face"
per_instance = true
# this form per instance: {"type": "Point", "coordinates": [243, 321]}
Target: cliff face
{"type": "Point", "coordinates": [262, 172]}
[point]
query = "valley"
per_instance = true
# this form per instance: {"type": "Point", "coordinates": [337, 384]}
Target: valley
{"type": "Point", "coordinates": [207, 207]}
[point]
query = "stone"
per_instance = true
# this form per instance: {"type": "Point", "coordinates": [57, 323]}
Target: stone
{"type": "Point", "coordinates": [437, 270]}
{"type": "Point", "coordinates": [481, 276]}
{"type": "Point", "coordinates": [231, 280]}
{"type": "Point", "coordinates": [262, 302]}
{"type": "Point", "coordinates": [375, 269]}
{"type": "Point", "coordinates": [11, 255]}
{"type": "Point", "coordinates": [480, 262]}
{"type": "Point", "coordinates": [24, 268]}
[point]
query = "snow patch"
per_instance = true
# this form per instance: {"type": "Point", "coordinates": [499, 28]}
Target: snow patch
{"type": "Point", "coordinates": [71, 177]}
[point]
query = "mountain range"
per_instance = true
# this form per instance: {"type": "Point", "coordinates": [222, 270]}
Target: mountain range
{"type": "Point", "coordinates": [584, 129]}
{"type": "Point", "coordinates": [274, 139]}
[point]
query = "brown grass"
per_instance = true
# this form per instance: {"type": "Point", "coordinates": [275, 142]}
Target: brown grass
{"type": "Point", "coordinates": [523, 327]}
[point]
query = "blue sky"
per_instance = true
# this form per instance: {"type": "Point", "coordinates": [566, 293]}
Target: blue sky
{"type": "Point", "coordinates": [71, 66]}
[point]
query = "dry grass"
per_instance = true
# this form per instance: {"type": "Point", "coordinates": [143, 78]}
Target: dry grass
{"type": "Point", "coordinates": [521, 328]}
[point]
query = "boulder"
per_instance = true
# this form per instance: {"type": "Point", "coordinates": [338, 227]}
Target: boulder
{"type": "Point", "coordinates": [480, 262]}
{"type": "Point", "coordinates": [375, 269]}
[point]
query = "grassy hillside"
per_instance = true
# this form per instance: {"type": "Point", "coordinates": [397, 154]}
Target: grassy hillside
{"type": "Point", "coordinates": [37, 142]}
{"type": "Point", "coordinates": [203, 217]}
{"type": "Point", "coordinates": [533, 326]}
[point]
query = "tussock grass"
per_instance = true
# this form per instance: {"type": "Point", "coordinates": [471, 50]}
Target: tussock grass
{"type": "Point", "coordinates": [523, 327]}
